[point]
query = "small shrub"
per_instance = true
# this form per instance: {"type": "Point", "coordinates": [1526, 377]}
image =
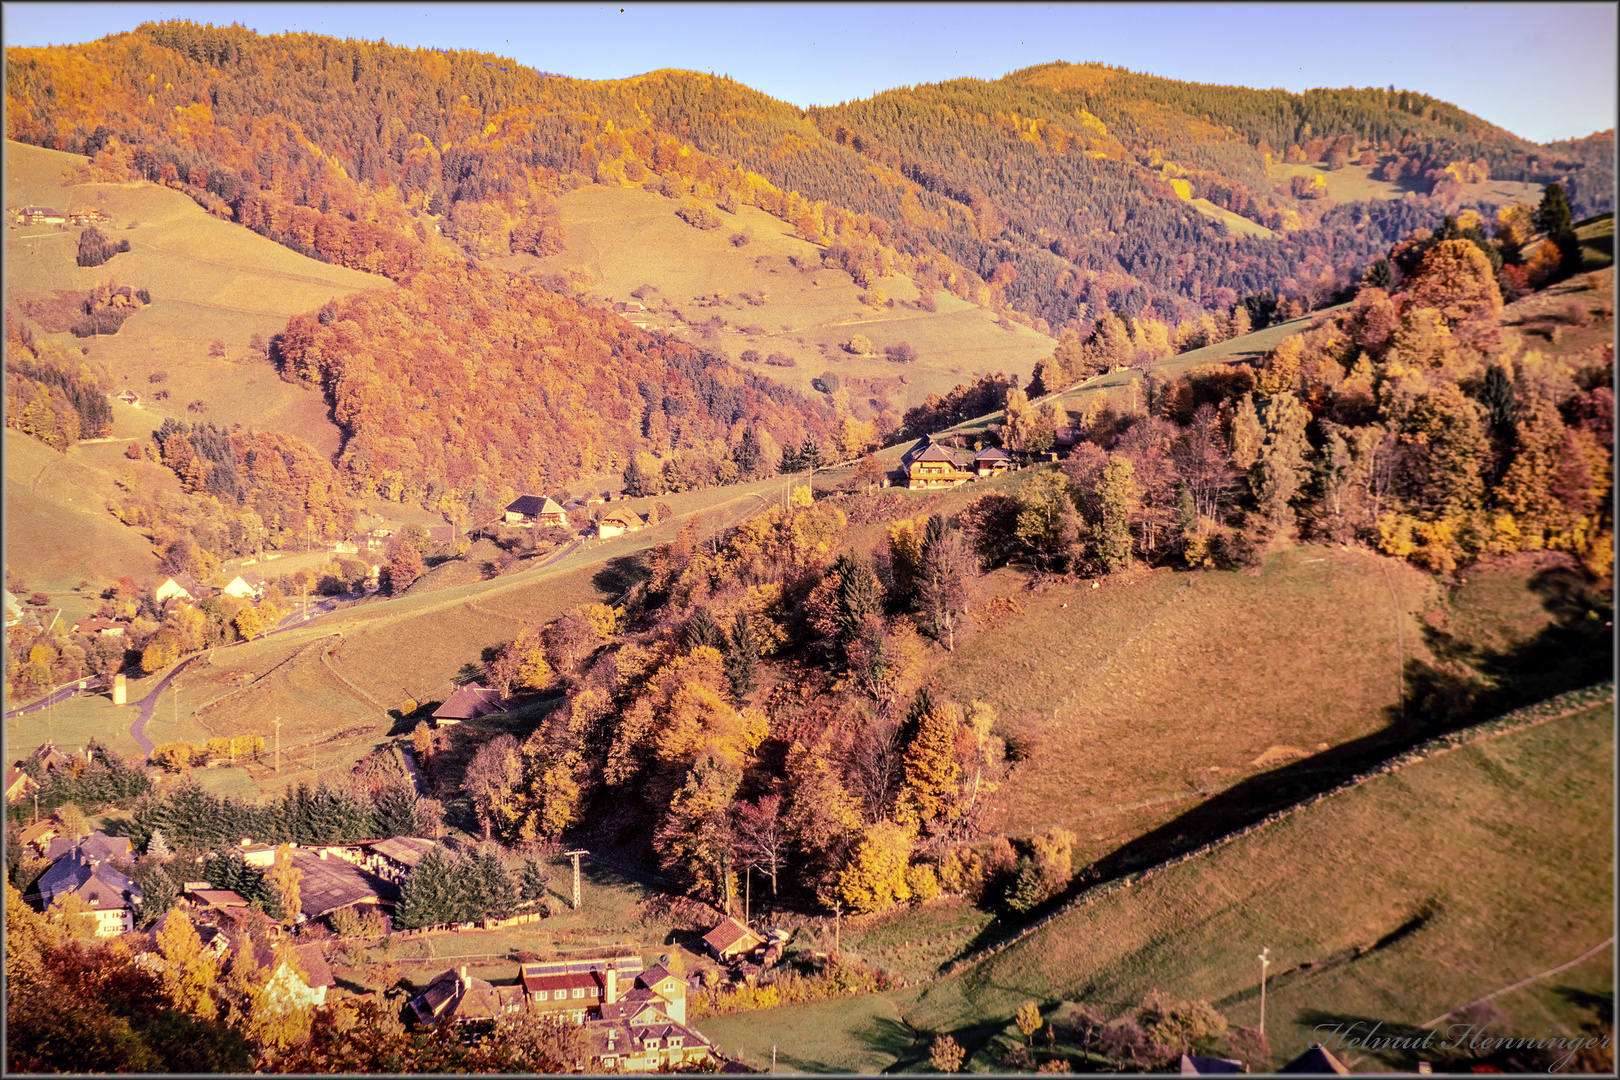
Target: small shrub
{"type": "Point", "coordinates": [749, 356]}
{"type": "Point", "coordinates": [740, 240]}
{"type": "Point", "coordinates": [827, 382]}
{"type": "Point", "coordinates": [859, 344]}
{"type": "Point", "coordinates": [157, 377]}
{"type": "Point", "coordinates": [777, 359]}
{"type": "Point", "coordinates": [698, 216]}
{"type": "Point", "coordinates": [902, 353]}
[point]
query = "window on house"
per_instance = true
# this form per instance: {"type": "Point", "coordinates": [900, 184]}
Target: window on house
{"type": "Point", "coordinates": [578, 992]}
{"type": "Point", "coordinates": [542, 995]}
{"type": "Point", "coordinates": [652, 1044]}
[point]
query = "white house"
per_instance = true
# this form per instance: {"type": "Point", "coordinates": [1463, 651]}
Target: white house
{"type": "Point", "coordinates": [246, 586]}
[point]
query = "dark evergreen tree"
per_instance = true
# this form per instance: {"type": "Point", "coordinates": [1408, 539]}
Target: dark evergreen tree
{"type": "Point", "coordinates": [742, 658]}
{"type": "Point", "coordinates": [701, 630]}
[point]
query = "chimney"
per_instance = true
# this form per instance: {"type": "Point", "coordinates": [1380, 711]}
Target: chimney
{"type": "Point", "coordinates": [612, 986]}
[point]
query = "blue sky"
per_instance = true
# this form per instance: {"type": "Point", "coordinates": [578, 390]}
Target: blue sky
{"type": "Point", "coordinates": [1542, 71]}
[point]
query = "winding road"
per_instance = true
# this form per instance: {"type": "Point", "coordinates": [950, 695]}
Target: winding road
{"type": "Point", "coordinates": [148, 704]}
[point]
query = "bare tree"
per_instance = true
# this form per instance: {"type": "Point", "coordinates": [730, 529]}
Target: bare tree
{"type": "Point", "coordinates": [875, 762]}
{"type": "Point", "coordinates": [762, 838]}
{"type": "Point", "coordinates": [944, 586]}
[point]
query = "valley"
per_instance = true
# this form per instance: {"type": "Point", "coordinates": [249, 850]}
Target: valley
{"type": "Point", "coordinates": [1013, 548]}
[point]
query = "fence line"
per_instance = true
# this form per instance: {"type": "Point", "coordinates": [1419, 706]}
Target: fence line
{"type": "Point", "coordinates": [1521, 719]}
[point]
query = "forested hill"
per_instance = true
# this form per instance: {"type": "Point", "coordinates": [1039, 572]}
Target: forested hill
{"type": "Point", "coordinates": [1052, 195]}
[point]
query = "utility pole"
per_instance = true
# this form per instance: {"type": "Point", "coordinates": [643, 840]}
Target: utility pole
{"type": "Point", "coordinates": [575, 854]}
{"type": "Point", "coordinates": [278, 746]}
{"type": "Point", "coordinates": [1265, 962]}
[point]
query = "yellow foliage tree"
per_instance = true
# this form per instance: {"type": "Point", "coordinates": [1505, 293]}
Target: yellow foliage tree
{"type": "Point", "coordinates": [189, 972]}
{"type": "Point", "coordinates": [875, 877]}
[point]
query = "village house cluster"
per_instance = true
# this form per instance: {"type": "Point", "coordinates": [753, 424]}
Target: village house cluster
{"type": "Point", "coordinates": [633, 1015]}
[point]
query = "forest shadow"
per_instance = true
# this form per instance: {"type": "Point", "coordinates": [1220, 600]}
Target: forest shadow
{"type": "Point", "coordinates": [621, 574]}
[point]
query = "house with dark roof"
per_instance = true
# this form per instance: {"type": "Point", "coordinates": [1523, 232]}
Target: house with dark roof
{"type": "Point", "coordinates": [80, 868]}
{"type": "Point", "coordinates": [1316, 1060]}
{"type": "Point", "coordinates": [40, 215]}
{"type": "Point", "coordinates": [470, 702]}
{"type": "Point", "coordinates": [534, 510]}
{"type": "Point", "coordinates": [458, 999]}
{"type": "Point", "coordinates": [1194, 1065]}
{"type": "Point", "coordinates": [991, 461]}
{"type": "Point", "coordinates": [931, 465]}
{"type": "Point", "coordinates": [106, 627]}
{"type": "Point", "coordinates": [731, 940]}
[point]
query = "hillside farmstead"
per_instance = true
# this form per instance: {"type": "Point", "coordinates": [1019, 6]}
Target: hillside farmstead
{"type": "Point", "coordinates": [528, 510]}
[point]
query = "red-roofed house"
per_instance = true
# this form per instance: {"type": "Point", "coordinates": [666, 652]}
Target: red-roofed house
{"type": "Point", "coordinates": [731, 940]}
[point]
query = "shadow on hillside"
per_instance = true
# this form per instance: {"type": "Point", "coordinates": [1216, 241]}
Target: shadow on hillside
{"type": "Point", "coordinates": [1463, 687]}
{"type": "Point", "coordinates": [621, 574]}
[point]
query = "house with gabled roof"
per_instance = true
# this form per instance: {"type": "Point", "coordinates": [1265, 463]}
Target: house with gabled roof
{"type": "Point", "coordinates": [991, 461]}
{"type": "Point", "coordinates": [534, 510]}
{"type": "Point", "coordinates": [19, 785]}
{"type": "Point", "coordinates": [392, 859]}
{"type": "Point", "coordinates": [39, 835]}
{"type": "Point", "coordinates": [183, 586]}
{"type": "Point", "coordinates": [1316, 1059]}
{"type": "Point", "coordinates": [935, 466]}
{"type": "Point", "coordinates": [130, 398]}
{"type": "Point", "coordinates": [470, 702]}
{"type": "Point", "coordinates": [617, 522]}
{"type": "Point", "coordinates": [81, 868]}
{"type": "Point", "coordinates": [732, 940]}
{"type": "Point", "coordinates": [455, 998]}
{"type": "Point", "coordinates": [14, 611]}
{"type": "Point", "coordinates": [249, 585]}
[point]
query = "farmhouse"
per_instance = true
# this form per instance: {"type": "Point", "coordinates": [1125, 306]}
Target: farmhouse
{"type": "Point", "coordinates": [107, 627]}
{"type": "Point", "coordinates": [81, 869]}
{"type": "Point", "coordinates": [244, 586]}
{"type": "Point", "coordinates": [39, 835]}
{"type": "Point", "coordinates": [533, 510]}
{"type": "Point", "coordinates": [469, 703]}
{"type": "Point", "coordinates": [183, 586]}
{"type": "Point", "coordinates": [40, 215]}
{"type": "Point", "coordinates": [731, 940]}
{"type": "Point", "coordinates": [330, 884]}
{"type": "Point", "coordinates": [86, 217]}
{"type": "Point", "coordinates": [618, 522]}
{"type": "Point", "coordinates": [1316, 1060]}
{"type": "Point", "coordinates": [284, 984]}
{"type": "Point", "coordinates": [933, 466]}
{"type": "Point", "coordinates": [991, 461]}
{"type": "Point", "coordinates": [130, 398]}
{"type": "Point", "coordinates": [14, 610]}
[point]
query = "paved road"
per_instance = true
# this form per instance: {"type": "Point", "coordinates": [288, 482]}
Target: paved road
{"type": "Point", "coordinates": [55, 697]}
{"type": "Point", "coordinates": [148, 704]}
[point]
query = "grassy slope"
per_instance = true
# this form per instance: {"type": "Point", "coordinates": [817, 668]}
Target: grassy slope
{"type": "Point", "coordinates": [624, 238]}
{"type": "Point", "coordinates": [210, 280]}
{"type": "Point", "coordinates": [1150, 695]}
{"type": "Point", "coordinates": [1514, 882]}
